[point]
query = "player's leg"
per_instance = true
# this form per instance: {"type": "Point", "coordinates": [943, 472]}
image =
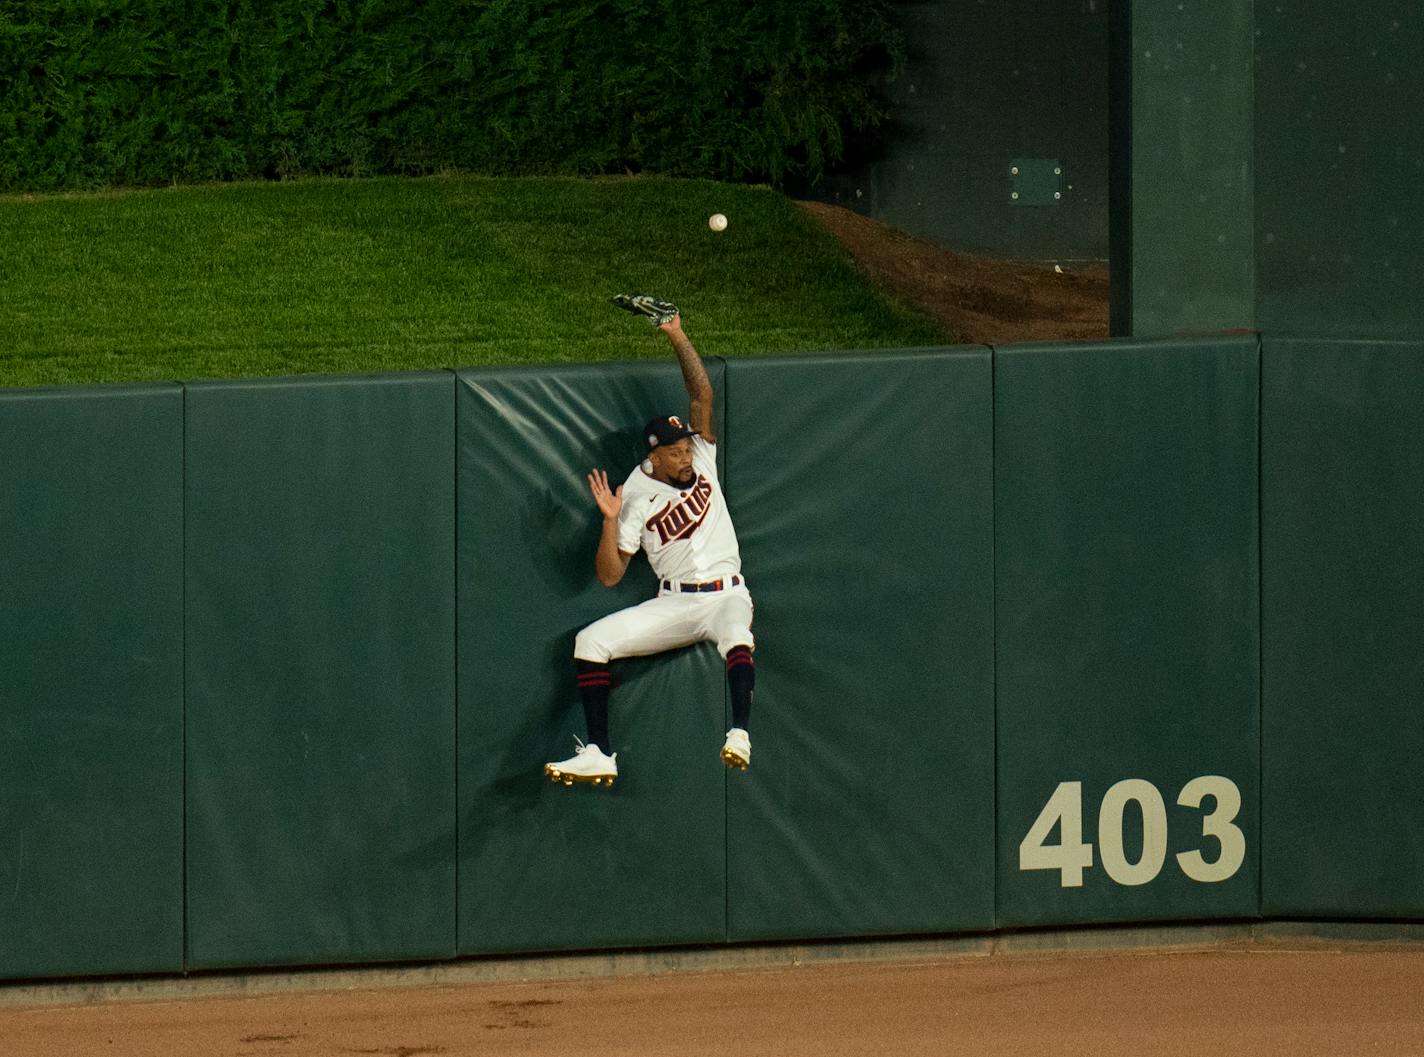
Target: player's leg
{"type": "Point", "coordinates": [741, 682]}
{"type": "Point", "coordinates": [659, 624]}
{"type": "Point", "coordinates": [729, 625]}
{"type": "Point", "coordinates": [591, 761]}
{"type": "Point", "coordinates": [595, 682]}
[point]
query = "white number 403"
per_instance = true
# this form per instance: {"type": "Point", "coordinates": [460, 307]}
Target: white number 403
{"type": "Point", "coordinates": [1071, 856]}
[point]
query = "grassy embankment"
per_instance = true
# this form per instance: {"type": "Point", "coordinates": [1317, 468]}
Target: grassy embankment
{"type": "Point", "coordinates": [383, 275]}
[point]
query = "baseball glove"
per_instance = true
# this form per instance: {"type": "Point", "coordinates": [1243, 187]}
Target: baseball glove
{"type": "Point", "coordinates": [658, 312]}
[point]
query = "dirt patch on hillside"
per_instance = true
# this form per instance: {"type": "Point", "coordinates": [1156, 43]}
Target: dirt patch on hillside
{"type": "Point", "coordinates": [979, 299]}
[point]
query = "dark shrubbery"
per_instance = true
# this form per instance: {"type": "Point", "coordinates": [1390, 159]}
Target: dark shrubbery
{"type": "Point", "coordinates": [139, 92]}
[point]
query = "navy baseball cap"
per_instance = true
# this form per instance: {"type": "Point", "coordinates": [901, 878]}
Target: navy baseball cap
{"type": "Point", "coordinates": [665, 429]}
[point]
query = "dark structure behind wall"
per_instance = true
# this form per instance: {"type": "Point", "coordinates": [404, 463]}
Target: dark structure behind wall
{"type": "Point", "coordinates": [1000, 141]}
{"type": "Point", "coordinates": [1244, 165]}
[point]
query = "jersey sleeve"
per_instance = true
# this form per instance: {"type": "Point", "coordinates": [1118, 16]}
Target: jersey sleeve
{"type": "Point", "coordinates": [630, 522]}
{"type": "Point", "coordinates": [704, 457]}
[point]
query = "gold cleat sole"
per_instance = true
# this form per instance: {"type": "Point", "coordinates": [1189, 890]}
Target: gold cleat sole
{"type": "Point", "coordinates": [731, 759]}
{"type": "Point", "coordinates": [560, 777]}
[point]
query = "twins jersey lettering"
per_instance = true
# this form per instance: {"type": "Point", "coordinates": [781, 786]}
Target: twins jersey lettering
{"type": "Point", "coordinates": [680, 519]}
{"type": "Point", "coordinates": [687, 532]}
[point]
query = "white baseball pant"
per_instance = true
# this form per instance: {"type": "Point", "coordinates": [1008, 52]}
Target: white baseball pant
{"type": "Point", "coordinates": [668, 621]}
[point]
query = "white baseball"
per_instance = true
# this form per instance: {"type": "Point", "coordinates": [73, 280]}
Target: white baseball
{"type": "Point", "coordinates": [717, 222]}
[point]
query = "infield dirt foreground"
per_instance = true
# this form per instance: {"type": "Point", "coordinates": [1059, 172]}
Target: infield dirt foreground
{"type": "Point", "coordinates": [1117, 1004]}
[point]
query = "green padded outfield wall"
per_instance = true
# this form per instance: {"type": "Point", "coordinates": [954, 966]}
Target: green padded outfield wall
{"type": "Point", "coordinates": [862, 491]}
{"type": "Point", "coordinates": [544, 867]}
{"type": "Point", "coordinates": [1076, 544]}
{"type": "Point", "coordinates": [320, 670]}
{"type": "Point", "coordinates": [1342, 513]}
{"type": "Point", "coordinates": [91, 681]}
{"type": "Point", "coordinates": [1339, 166]}
{"type": "Point", "coordinates": [1127, 592]}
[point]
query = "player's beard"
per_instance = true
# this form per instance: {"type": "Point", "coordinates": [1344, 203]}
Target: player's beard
{"type": "Point", "coordinates": [685, 482]}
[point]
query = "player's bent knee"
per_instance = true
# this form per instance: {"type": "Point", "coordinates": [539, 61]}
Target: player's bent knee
{"type": "Point", "coordinates": [734, 637]}
{"type": "Point", "coordinates": [590, 646]}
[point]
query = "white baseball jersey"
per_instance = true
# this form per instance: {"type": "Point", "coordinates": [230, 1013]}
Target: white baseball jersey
{"type": "Point", "coordinates": [687, 532]}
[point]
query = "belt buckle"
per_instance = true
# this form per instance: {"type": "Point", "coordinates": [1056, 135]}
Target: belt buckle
{"type": "Point", "coordinates": [720, 584]}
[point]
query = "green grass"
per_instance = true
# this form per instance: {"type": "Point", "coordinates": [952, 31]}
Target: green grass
{"type": "Point", "coordinates": [323, 276]}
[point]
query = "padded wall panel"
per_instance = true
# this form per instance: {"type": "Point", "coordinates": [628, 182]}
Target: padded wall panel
{"type": "Point", "coordinates": [862, 491]}
{"type": "Point", "coordinates": [544, 867]}
{"type": "Point", "coordinates": [321, 697]}
{"type": "Point", "coordinates": [1342, 512]}
{"type": "Point", "coordinates": [91, 681]}
{"type": "Point", "coordinates": [1127, 593]}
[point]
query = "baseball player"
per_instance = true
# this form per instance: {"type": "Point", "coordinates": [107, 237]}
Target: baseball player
{"type": "Point", "coordinates": [672, 508]}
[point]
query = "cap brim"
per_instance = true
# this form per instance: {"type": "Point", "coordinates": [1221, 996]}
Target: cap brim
{"type": "Point", "coordinates": [682, 435]}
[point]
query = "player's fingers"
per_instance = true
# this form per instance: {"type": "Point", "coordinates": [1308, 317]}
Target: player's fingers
{"type": "Point", "coordinates": [598, 482]}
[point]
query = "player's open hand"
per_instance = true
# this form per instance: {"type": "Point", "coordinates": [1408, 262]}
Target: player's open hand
{"type": "Point", "coordinates": [610, 501]}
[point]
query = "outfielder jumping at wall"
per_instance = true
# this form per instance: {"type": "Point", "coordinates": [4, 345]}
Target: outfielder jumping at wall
{"type": "Point", "coordinates": [672, 507]}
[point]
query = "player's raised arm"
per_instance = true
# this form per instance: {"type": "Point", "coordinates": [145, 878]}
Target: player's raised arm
{"type": "Point", "coordinates": [694, 376]}
{"type": "Point", "coordinates": [609, 563]}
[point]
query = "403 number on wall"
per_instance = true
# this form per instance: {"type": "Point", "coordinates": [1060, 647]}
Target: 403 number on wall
{"type": "Point", "coordinates": [1071, 856]}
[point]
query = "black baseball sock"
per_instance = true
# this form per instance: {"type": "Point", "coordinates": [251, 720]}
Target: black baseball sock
{"type": "Point", "coordinates": [741, 679]}
{"type": "Point", "coordinates": [594, 682]}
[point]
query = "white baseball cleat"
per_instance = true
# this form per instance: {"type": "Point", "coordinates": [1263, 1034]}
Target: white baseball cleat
{"type": "Point", "coordinates": [737, 750]}
{"type": "Point", "coordinates": [587, 764]}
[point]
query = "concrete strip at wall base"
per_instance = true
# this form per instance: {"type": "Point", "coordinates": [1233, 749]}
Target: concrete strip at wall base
{"type": "Point", "coordinates": [1272, 936]}
{"type": "Point", "coordinates": [1338, 935]}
